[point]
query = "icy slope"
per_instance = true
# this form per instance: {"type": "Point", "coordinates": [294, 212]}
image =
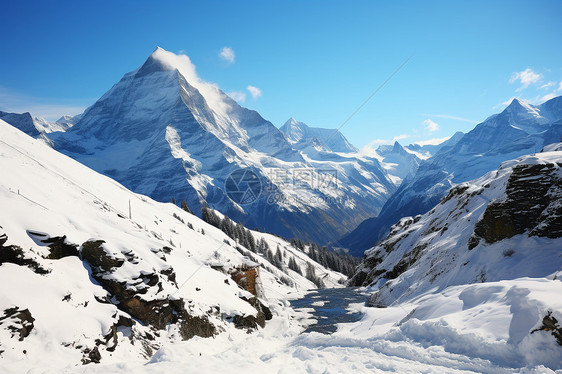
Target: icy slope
{"type": "Point", "coordinates": [163, 132]}
{"type": "Point", "coordinates": [93, 271]}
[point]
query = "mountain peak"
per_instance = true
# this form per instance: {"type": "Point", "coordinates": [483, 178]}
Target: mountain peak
{"type": "Point", "coordinates": [294, 123]}
{"type": "Point", "coordinates": [159, 60]}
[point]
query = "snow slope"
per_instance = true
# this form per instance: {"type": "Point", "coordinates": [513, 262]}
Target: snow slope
{"type": "Point", "coordinates": [163, 132]}
{"type": "Point", "coordinates": [480, 271]}
{"type": "Point", "coordinates": [156, 261]}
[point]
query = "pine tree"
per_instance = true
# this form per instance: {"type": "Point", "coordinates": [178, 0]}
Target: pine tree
{"type": "Point", "coordinates": [185, 207]}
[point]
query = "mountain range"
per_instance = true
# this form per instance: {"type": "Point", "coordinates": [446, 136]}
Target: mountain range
{"type": "Point", "coordinates": [163, 132]}
{"type": "Point", "coordinates": [519, 129]}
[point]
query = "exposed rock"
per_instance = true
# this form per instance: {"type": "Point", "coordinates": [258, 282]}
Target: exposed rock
{"type": "Point", "coordinates": [15, 255]}
{"type": "Point", "coordinates": [59, 248]}
{"type": "Point", "coordinates": [252, 322]}
{"type": "Point", "coordinates": [94, 253]}
{"type": "Point", "coordinates": [20, 322]}
{"type": "Point", "coordinates": [549, 323]}
{"type": "Point", "coordinates": [128, 295]}
{"type": "Point", "coordinates": [91, 355]}
{"type": "Point", "coordinates": [3, 237]}
{"type": "Point", "coordinates": [531, 203]}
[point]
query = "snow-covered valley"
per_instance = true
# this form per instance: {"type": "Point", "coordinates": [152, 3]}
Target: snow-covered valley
{"type": "Point", "coordinates": [98, 279]}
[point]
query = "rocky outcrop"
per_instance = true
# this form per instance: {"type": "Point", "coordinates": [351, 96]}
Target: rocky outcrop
{"type": "Point", "coordinates": [532, 203]}
{"type": "Point", "coordinates": [482, 231]}
{"type": "Point", "coordinates": [128, 295]}
{"type": "Point", "coordinates": [247, 278]}
{"type": "Point", "coordinates": [252, 322]}
{"type": "Point", "coordinates": [549, 323]}
{"type": "Point", "coordinates": [58, 246]}
{"type": "Point", "coordinates": [19, 322]}
{"type": "Point", "coordinates": [15, 255]}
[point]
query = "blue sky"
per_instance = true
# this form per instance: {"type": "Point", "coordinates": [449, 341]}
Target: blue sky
{"type": "Point", "coordinates": [316, 61]}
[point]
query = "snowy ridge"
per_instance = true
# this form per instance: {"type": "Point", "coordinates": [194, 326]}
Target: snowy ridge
{"type": "Point", "coordinates": [82, 265]}
{"type": "Point", "coordinates": [482, 267]}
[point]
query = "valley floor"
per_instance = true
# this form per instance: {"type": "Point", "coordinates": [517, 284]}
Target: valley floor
{"type": "Point", "coordinates": [384, 340]}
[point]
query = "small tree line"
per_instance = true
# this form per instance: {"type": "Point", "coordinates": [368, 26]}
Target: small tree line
{"type": "Point", "coordinates": [340, 262]}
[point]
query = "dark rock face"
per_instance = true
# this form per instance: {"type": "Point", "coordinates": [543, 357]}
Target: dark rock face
{"type": "Point", "coordinates": [20, 322]}
{"type": "Point", "coordinates": [247, 278]}
{"type": "Point", "coordinates": [60, 248]}
{"type": "Point", "coordinates": [549, 323]}
{"type": "Point", "coordinates": [158, 312]}
{"type": "Point", "coordinates": [15, 255]}
{"type": "Point", "coordinates": [93, 253]}
{"type": "Point", "coordinates": [532, 203]}
{"type": "Point", "coordinates": [91, 355]}
{"type": "Point", "coordinates": [252, 322]}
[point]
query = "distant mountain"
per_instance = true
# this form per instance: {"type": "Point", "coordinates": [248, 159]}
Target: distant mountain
{"type": "Point", "coordinates": [398, 162]}
{"type": "Point", "coordinates": [519, 129]}
{"type": "Point", "coordinates": [163, 132]}
{"type": "Point", "coordinates": [33, 126]}
{"type": "Point", "coordinates": [302, 136]}
{"type": "Point", "coordinates": [427, 150]}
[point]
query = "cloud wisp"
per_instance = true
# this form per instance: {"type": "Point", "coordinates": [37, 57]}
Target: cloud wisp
{"type": "Point", "coordinates": [254, 91]}
{"type": "Point", "coordinates": [430, 125]}
{"type": "Point", "coordinates": [238, 96]}
{"type": "Point", "coordinates": [525, 77]}
{"type": "Point", "coordinates": [227, 54]}
{"type": "Point", "coordinates": [455, 118]}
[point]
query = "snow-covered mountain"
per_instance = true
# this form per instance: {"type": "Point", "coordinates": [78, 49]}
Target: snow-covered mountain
{"type": "Point", "coordinates": [301, 136]}
{"type": "Point", "coordinates": [518, 130]}
{"type": "Point", "coordinates": [165, 133]}
{"type": "Point", "coordinates": [425, 151]}
{"type": "Point", "coordinates": [486, 257]}
{"type": "Point", "coordinates": [35, 126]}
{"type": "Point", "coordinates": [92, 271]}
{"type": "Point", "coordinates": [398, 162]}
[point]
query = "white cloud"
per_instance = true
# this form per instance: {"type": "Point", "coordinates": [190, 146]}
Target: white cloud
{"type": "Point", "coordinates": [238, 96]}
{"type": "Point", "coordinates": [227, 54]}
{"type": "Point", "coordinates": [430, 125]}
{"type": "Point", "coordinates": [446, 116]}
{"type": "Point", "coordinates": [546, 98]}
{"type": "Point", "coordinates": [526, 77]}
{"type": "Point", "coordinates": [210, 91]}
{"type": "Point", "coordinates": [434, 141]}
{"type": "Point", "coordinates": [254, 91]}
{"type": "Point", "coordinates": [547, 85]}
{"type": "Point", "coordinates": [560, 87]}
